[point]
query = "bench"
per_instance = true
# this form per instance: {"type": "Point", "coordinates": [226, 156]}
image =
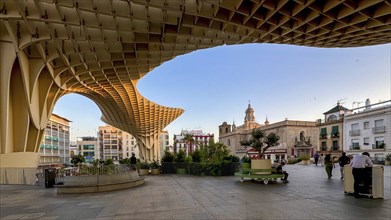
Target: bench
{"type": "Point", "coordinates": [264, 175]}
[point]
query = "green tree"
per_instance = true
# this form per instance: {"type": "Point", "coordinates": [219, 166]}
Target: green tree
{"type": "Point", "coordinates": [189, 141]}
{"type": "Point", "coordinates": [261, 142]}
{"type": "Point", "coordinates": [108, 161]}
{"type": "Point", "coordinates": [180, 156]}
{"type": "Point", "coordinates": [168, 157]}
{"type": "Point", "coordinates": [77, 159]}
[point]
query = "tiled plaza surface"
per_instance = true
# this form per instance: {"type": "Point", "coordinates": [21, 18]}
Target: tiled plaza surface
{"type": "Point", "coordinates": [309, 195]}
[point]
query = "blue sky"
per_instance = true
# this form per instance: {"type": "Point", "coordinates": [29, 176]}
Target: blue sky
{"type": "Point", "coordinates": [281, 81]}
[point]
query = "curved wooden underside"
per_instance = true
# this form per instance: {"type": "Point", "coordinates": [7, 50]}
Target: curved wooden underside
{"type": "Point", "coordinates": [100, 49]}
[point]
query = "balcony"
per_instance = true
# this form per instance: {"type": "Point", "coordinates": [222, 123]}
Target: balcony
{"type": "Point", "coordinates": [377, 130]}
{"type": "Point", "coordinates": [354, 132]}
{"type": "Point", "coordinates": [335, 135]}
{"type": "Point", "coordinates": [323, 136]}
{"type": "Point", "coordinates": [354, 147]}
{"type": "Point", "coordinates": [378, 146]}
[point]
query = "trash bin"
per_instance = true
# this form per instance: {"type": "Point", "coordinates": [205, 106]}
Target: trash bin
{"type": "Point", "coordinates": [50, 178]}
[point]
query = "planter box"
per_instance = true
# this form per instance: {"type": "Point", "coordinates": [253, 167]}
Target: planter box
{"type": "Point", "coordinates": [305, 162]}
{"type": "Point", "coordinates": [261, 164]}
{"type": "Point", "coordinates": [246, 165]}
{"type": "Point", "coordinates": [155, 171]}
{"type": "Point", "coordinates": [143, 172]}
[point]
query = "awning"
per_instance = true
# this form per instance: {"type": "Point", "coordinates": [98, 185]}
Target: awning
{"type": "Point", "coordinates": [323, 131]}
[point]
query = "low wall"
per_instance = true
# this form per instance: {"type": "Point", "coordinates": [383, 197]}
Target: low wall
{"type": "Point", "coordinates": [17, 175]}
{"type": "Point", "coordinates": [99, 183]}
{"type": "Point", "coordinates": [19, 168]}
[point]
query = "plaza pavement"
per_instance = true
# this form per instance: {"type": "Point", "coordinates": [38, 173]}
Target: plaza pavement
{"type": "Point", "coordinates": [309, 195]}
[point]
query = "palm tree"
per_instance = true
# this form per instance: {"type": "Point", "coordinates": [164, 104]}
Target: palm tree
{"type": "Point", "coordinates": [261, 142]}
{"type": "Point", "coordinates": [189, 143]}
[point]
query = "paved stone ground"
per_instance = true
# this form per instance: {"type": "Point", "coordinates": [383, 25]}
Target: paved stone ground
{"type": "Point", "coordinates": [309, 195]}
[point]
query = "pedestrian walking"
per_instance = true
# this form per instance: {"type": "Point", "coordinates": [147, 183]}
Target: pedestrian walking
{"type": "Point", "coordinates": [316, 158]}
{"type": "Point", "coordinates": [329, 164]}
{"type": "Point", "coordinates": [343, 160]}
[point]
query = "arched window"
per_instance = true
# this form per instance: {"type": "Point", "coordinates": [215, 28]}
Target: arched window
{"type": "Point", "coordinates": [226, 130]}
{"type": "Point", "coordinates": [332, 118]}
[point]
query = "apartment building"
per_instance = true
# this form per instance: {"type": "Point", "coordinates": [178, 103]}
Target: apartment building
{"type": "Point", "coordinates": [369, 129]}
{"type": "Point", "coordinates": [54, 148]}
{"type": "Point", "coordinates": [116, 144]}
{"type": "Point", "coordinates": [164, 142]}
{"type": "Point", "coordinates": [88, 147]}
{"type": "Point", "coordinates": [331, 130]}
{"type": "Point", "coordinates": [190, 140]}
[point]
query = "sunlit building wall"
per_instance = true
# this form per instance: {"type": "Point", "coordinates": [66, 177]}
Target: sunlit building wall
{"type": "Point", "coordinates": [54, 148]}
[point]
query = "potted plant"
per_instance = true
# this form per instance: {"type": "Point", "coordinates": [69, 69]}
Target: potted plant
{"type": "Point", "coordinates": [144, 169]}
{"type": "Point", "coordinates": [155, 167]}
{"type": "Point", "coordinates": [261, 142]}
{"type": "Point", "coordinates": [388, 160]}
{"type": "Point", "coordinates": [305, 159]}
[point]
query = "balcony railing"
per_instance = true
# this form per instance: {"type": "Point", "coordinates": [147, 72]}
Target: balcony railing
{"type": "Point", "coordinates": [354, 132]}
{"type": "Point", "coordinates": [377, 130]}
{"type": "Point", "coordinates": [355, 147]}
{"type": "Point", "coordinates": [323, 136]}
{"type": "Point", "coordinates": [335, 135]}
{"type": "Point", "coordinates": [378, 146]}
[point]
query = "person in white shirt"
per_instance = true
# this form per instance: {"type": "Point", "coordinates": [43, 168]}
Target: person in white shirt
{"type": "Point", "coordinates": [359, 163]}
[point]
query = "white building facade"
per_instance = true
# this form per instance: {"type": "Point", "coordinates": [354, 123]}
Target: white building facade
{"type": "Point", "coordinates": [369, 129]}
{"type": "Point", "coordinates": [88, 148]}
{"type": "Point", "coordinates": [116, 144]}
{"type": "Point", "coordinates": [54, 148]}
{"type": "Point", "coordinates": [164, 143]}
{"type": "Point", "coordinates": [198, 139]}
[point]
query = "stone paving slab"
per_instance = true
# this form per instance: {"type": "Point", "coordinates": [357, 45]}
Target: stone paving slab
{"type": "Point", "coordinates": [309, 195]}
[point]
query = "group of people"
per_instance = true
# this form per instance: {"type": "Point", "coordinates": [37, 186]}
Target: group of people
{"type": "Point", "coordinates": [328, 162]}
{"type": "Point", "coordinates": [359, 163]}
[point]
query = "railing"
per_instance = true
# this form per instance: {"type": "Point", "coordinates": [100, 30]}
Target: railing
{"type": "Point", "coordinates": [355, 147]}
{"type": "Point", "coordinates": [378, 146]}
{"type": "Point", "coordinates": [354, 132]}
{"type": "Point", "coordinates": [323, 136]}
{"type": "Point", "coordinates": [335, 135]}
{"type": "Point", "coordinates": [377, 130]}
{"type": "Point", "coordinates": [86, 170]}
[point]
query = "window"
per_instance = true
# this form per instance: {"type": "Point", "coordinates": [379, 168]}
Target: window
{"type": "Point", "coordinates": [355, 144]}
{"type": "Point", "coordinates": [366, 141]}
{"type": "Point", "coordinates": [323, 132]}
{"type": "Point", "coordinates": [324, 147]}
{"type": "Point", "coordinates": [334, 131]}
{"type": "Point", "coordinates": [379, 123]}
{"type": "Point", "coordinates": [379, 127]}
{"type": "Point", "coordinates": [355, 131]}
{"type": "Point", "coordinates": [379, 142]}
{"type": "Point", "coordinates": [366, 125]}
{"type": "Point", "coordinates": [332, 118]}
{"type": "Point", "coordinates": [229, 142]}
{"type": "Point", "coordinates": [335, 145]}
